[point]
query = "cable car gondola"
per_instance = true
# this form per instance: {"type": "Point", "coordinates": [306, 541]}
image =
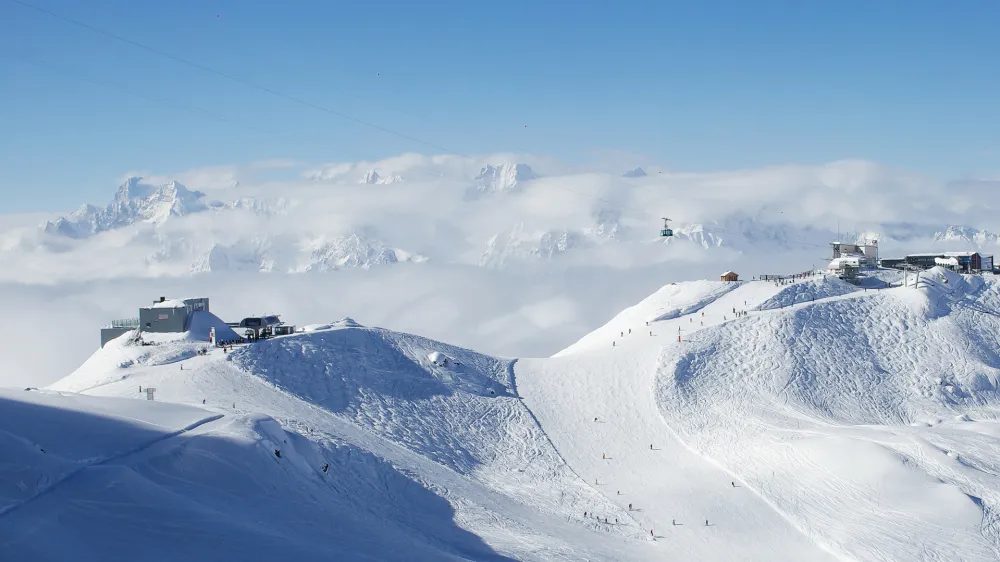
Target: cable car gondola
{"type": "Point", "coordinates": [666, 228]}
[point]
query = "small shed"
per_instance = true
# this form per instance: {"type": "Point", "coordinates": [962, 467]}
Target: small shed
{"type": "Point", "coordinates": [730, 276]}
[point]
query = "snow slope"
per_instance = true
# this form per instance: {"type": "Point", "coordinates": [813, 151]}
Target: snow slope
{"type": "Point", "coordinates": [860, 426]}
{"type": "Point", "coordinates": [855, 417]}
{"type": "Point", "coordinates": [809, 420]}
{"type": "Point", "coordinates": [470, 456]}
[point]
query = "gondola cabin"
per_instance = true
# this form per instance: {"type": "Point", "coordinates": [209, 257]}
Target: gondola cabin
{"type": "Point", "coordinates": [666, 228]}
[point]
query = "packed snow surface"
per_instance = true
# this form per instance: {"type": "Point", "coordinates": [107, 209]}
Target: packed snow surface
{"type": "Point", "coordinates": [805, 420]}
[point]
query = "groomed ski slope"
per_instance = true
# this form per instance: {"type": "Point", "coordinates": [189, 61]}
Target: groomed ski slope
{"type": "Point", "coordinates": [845, 421]}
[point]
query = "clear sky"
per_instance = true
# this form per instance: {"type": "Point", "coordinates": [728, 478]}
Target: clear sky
{"type": "Point", "coordinates": [693, 85]}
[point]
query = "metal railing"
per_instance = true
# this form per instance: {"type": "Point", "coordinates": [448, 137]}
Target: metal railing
{"type": "Point", "coordinates": [124, 323]}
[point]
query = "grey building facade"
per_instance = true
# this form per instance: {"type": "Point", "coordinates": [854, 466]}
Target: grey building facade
{"type": "Point", "coordinates": [168, 316]}
{"type": "Point", "coordinates": [163, 316]}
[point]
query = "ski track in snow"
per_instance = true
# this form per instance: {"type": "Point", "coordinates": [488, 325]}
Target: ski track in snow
{"type": "Point", "coordinates": [822, 422]}
{"type": "Point", "coordinates": [98, 462]}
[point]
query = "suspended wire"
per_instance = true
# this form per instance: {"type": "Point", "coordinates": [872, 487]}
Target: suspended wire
{"type": "Point", "coordinates": [239, 80]}
{"type": "Point", "coordinates": [288, 97]}
{"type": "Point", "coordinates": [300, 101]}
{"type": "Point", "coordinates": [166, 103]}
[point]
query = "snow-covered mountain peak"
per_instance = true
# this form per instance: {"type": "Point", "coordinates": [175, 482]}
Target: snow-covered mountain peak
{"type": "Point", "coordinates": [503, 177]}
{"type": "Point", "coordinates": [635, 173]}
{"type": "Point", "coordinates": [968, 235]}
{"type": "Point", "coordinates": [133, 202]}
{"type": "Point", "coordinates": [372, 177]}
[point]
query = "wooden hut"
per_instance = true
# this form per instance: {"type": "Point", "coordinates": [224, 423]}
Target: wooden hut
{"type": "Point", "coordinates": [730, 276]}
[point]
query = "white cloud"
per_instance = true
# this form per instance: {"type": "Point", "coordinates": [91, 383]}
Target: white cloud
{"type": "Point", "coordinates": [575, 246]}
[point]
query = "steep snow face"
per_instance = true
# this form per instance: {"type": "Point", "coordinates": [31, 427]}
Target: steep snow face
{"type": "Point", "coordinates": [390, 383]}
{"type": "Point", "coordinates": [635, 173]}
{"type": "Point", "coordinates": [133, 202]}
{"type": "Point", "coordinates": [503, 178]}
{"type": "Point", "coordinates": [372, 177]}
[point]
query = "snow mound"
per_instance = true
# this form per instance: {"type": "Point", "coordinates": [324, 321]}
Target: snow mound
{"type": "Point", "coordinates": [347, 322]}
{"type": "Point", "coordinates": [438, 358]}
{"type": "Point", "coordinates": [808, 290]}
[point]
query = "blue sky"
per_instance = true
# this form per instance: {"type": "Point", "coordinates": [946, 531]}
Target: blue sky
{"type": "Point", "coordinates": [692, 85]}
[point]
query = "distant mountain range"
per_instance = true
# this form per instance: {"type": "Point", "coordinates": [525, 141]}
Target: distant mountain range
{"type": "Point", "coordinates": [500, 216]}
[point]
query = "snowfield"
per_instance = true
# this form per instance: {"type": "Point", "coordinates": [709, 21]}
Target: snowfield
{"type": "Point", "coordinates": [809, 420]}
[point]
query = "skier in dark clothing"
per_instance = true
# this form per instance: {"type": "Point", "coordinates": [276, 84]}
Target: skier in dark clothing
{"type": "Point", "coordinates": [326, 466]}
{"type": "Point", "coordinates": [277, 453]}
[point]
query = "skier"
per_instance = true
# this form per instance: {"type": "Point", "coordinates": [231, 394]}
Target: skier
{"type": "Point", "coordinates": [612, 344]}
{"type": "Point", "coordinates": [630, 330]}
{"type": "Point", "coordinates": [326, 467]}
{"type": "Point", "coordinates": [140, 388]}
{"type": "Point", "coordinates": [733, 483]}
{"type": "Point", "coordinates": [584, 513]}
{"type": "Point", "coordinates": [650, 446]}
{"type": "Point", "coordinates": [595, 418]}
{"type": "Point", "coordinates": [602, 456]}
{"type": "Point", "coordinates": [673, 522]}
{"type": "Point", "coordinates": [277, 453]}
{"type": "Point", "coordinates": [623, 334]}
{"type": "Point", "coordinates": [630, 507]}
{"type": "Point", "coordinates": [706, 522]}
{"type": "Point", "coordinates": [202, 400]}
{"type": "Point", "coordinates": [651, 532]}
{"type": "Point", "coordinates": [619, 492]}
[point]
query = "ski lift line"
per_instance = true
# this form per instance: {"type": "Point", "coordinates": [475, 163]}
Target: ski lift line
{"type": "Point", "coordinates": [282, 95]}
{"type": "Point", "coordinates": [167, 103]}
{"type": "Point", "coordinates": [242, 81]}
{"type": "Point", "coordinates": [305, 103]}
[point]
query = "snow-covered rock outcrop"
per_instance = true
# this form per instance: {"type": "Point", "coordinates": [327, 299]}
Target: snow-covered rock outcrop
{"type": "Point", "coordinates": [505, 177]}
{"type": "Point", "coordinates": [372, 177]}
{"type": "Point", "coordinates": [355, 251]}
